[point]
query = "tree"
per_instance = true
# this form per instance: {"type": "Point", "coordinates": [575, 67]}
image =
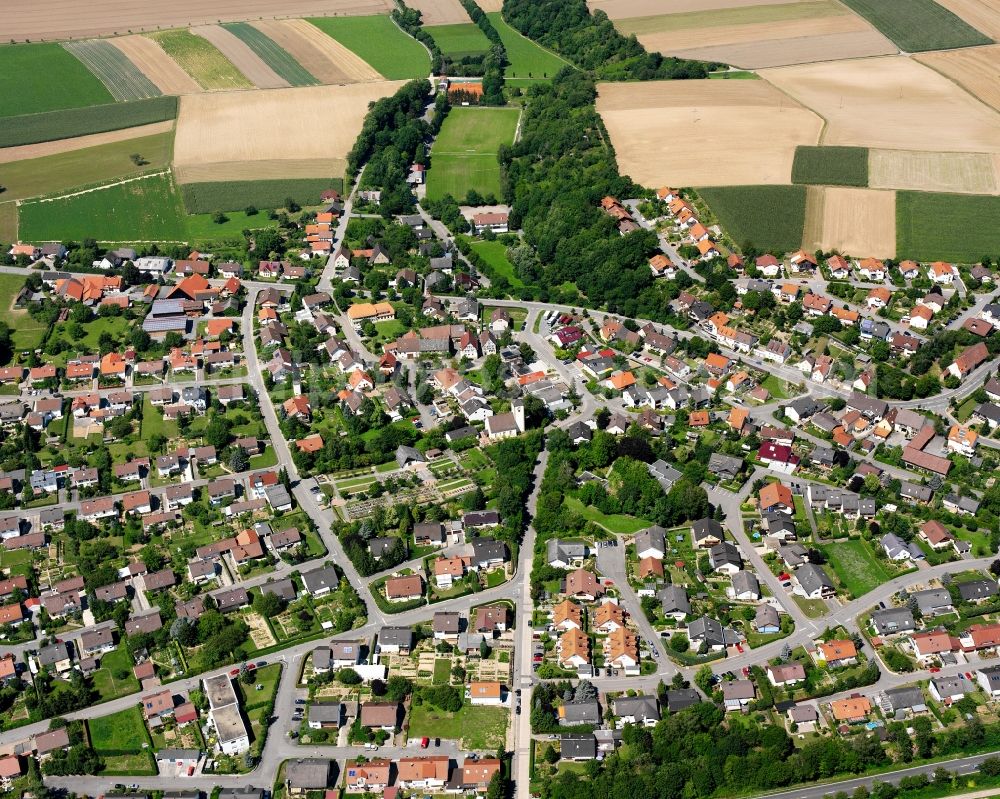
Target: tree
{"type": "Point", "coordinates": [219, 218]}
{"type": "Point", "coordinates": [679, 642]}
{"type": "Point", "coordinates": [703, 678]}
{"type": "Point", "coordinates": [238, 460]}
{"type": "Point", "coordinates": [217, 431]}
{"type": "Point", "coordinates": [268, 604]}
{"type": "Point", "coordinates": [484, 649]}
{"type": "Point", "coordinates": [348, 677]}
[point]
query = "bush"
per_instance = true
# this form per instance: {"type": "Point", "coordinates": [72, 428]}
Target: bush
{"type": "Point", "coordinates": [348, 677]}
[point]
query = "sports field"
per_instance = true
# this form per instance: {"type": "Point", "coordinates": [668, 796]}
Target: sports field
{"type": "Point", "coordinates": [768, 217]}
{"type": "Point", "coordinates": [464, 155]}
{"type": "Point", "coordinates": [59, 172]}
{"type": "Point", "coordinates": [528, 61]}
{"type": "Point", "coordinates": [201, 60]}
{"type": "Point", "coordinates": [949, 227]}
{"type": "Point", "coordinates": [377, 40]}
{"type": "Point", "coordinates": [27, 83]}
{"type": "Point", "coordinates": [456, 41]}
{"type": "Point", "coordinates": [142, 209]}
{"type": "Point", "coordinates": [917, 25]}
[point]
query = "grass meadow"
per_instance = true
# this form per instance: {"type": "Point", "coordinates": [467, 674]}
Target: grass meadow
{"type": "Point", "coordinates": [377, 40]}
{"type": "Point", "coordinates": [528, 60]}
{"type": "Point", "coordinates": [459, 40]}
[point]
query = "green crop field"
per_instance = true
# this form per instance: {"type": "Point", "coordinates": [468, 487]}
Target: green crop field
{"type": "Point", "coordinates": [947, 227]}
{"type": "Point", "coordinates": [917, 25]}
{"type": "Point", "coordinates": [528, 61]}
{"type": "Point", "coordinates": [122, 78]}
{"type": "Point", "coordinates": [768, 217]}
{"type": "Point", "coordinates": [44, 77]}
{"type": "Point", "coordinates": [276, 57]}
{"type": "Point", "coordinates": [50, 174]}
{"type": "Point", "coordinates": [236, 195]}
{"type": "Point", "coordinates": [459, 40]}
{"type": "Point", "coordinates": [495, 255]}
{"type": "Point", "coordinates": [52, 125]}
{"type": "Point", "coordinates": [464, 155]}
{"type": "Point", "coordinates": [832, 166]}
{"type": "Point", "coordinates": [856, 566]}
{"type": "Point", "coordinates": [202, 60]}
{"type": "Point", "coordinates": [377, 40]}
{"type": "Point", "coordinates": [145, 209]}
{"type": "Point", "coordinates": [203, 229]}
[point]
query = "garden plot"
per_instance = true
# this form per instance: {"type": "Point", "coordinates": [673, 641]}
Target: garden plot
{"type": "Point", "coordinates": [682, 132]}
{"type": "Point", "coordinates": [859, 222]}
{"type": "Point", "coordinates": [887, 102]}
{"type": "Point", "coordinates": [119, 75]}
{"type": "Point", "coordinates": [156, 65]}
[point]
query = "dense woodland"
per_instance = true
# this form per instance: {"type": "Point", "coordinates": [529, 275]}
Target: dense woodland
{"type": "Point", "coordinates": [591, 41]}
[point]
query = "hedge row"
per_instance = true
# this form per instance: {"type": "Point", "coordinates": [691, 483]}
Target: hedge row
{"type": "Point", "coordinates": [53, 125]}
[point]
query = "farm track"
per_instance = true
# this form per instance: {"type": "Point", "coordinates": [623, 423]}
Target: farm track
{"type": "Point", "coordinates": [110, 65]}
{"type": "Point", "coordinates": [103, 186]}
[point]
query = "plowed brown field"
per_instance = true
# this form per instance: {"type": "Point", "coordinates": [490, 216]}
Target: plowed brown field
{"type": "Point", "coordinates": [156, 65]}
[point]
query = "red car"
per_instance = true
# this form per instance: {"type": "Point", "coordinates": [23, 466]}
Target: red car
{"type": "Point", "coordinates": [251, 667]}
{"type": "Point", "coordinates": [934, 670]}
{"type": "Point", "coordinates": [424, 743]}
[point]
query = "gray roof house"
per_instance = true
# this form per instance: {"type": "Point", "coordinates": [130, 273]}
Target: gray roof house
{"type": "Point", "coordinates": [573, 713]}
{"type": "Point", "coordinates": [892, 621]}
{"type": "Point", "coordinates": [320, 581]}
{"type": "Point", "coordinates": [674, 601]}
{"type": "Point", "coordinates": [563, 554]}
{"type": "Point", "coordinates": [707, 532]}
{"type": "Point", "coordinates": [637, 710]}
{"type": "Point", "coordinates": [934, 602]}
{"type": "Point", "coordinates": [909, 698]}
{"type": "Point", "coordinates": [578, 746]}
{"type": "Point", "coordinates": [815, 582]}
{"type": "Point", "coordinates": [745, 586]}
{"type": "Point", "coordinates": [977, 590]}
{"type": "Point", "coordinates": [681, 698]}
{"type": "Point", "coordinates": [724, 466]}
{"type": "Point", "coordinates": [308, 775]}
{"type": "Point", "coordinates": [651, 543]}
{"type": "Point", "coordinates": [712, 633]}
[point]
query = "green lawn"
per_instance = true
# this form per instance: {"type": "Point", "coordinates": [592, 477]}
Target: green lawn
{"type": "Point", "coordinates": [121, 732]}
{"type": "Point", "coordinates": [618, 523]}
{"type": "Point", "coordinates": [442, 671]}
{"type": "Point", "coordinates": [110, 686]}
{"type": "Point", "coordinates": [459, 40]}
{"type": "Point", "coordinates": [35, 177]}
{"type": "Point", "coordinates": [918, 25]}
{"type": "Point", "coordinates": [45, 77]}
{"type": "Point", "coordinates": [116, 326]}
{"type": "Point", "coordinates": [27, 333]}
{"type": "Point", "coordinates": [146, 209]}
{"type": "Point", "coordinates": [767, 217]}
{"type": "Point", "coordinates": [833, 166]}
{"type": "Point", "coordinates": [856, 566]}
{"type": "Point", "coordinates": [203, 228]}
{"type": "Point", "coordinates": [948, 227]}
{"type": "Point", "coordinates": [377, 40]}
{"type": "Point", "coordinates": [390, 329]}
{"type": "Point", "coordinates": [479, 728]}
{"type": "Point", "coordinates": [153, 422]}
{"type": "Point", "coordinates": [495, 255]}
{"type": "Point", "coordinates": [528, 60]}
{"type": "Point", "coordinates": [464, 155]}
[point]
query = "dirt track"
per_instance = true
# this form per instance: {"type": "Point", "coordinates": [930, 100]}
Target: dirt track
{"type": "Point", "coordinates": [323, 56]}
{"type": "Point", "coordinates": [69, 19]}
{"type": "Point", "coordinates": [25, 151]}
{"type": "Point", "coordinates": [242, 57]}
{"type": "Point", "coordinates": [685, 132]}
{"type": "Point", "coordinates": [156, 65]}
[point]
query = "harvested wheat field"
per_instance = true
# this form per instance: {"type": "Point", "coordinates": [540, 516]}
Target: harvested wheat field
{"type": "Point", "coordinates": [802, 50]}
{"type": "Point", "coordinates": [26, 151]}
{"type": "Point", "coordinates": [156, 65]}
{"type": "Point", "coordinates": [859, 222]}
{"type": "Point", "coordinates": [69, 19]}
{"type": "Point", "coordinates": [323, 56]}
{"type": "Point", "coordinates": [983, 15]}
{"type": "Point", "coordinates": [892, 103]}
{"type": "Point", "coordinates": [491, 6]}
{"type": "Point", "coordinates": [705, 132]}
{"type": "Point", "coordinates": [242, 57]}
{"type": "Point", "coordinates": [228, 136]}
{"type": "Point", "coordinates": [625, 9]}
{"type": "Point", "coordinates": [976, 69]}
{"type": "Point", "coordinates": [963, 173]}
{"type": "Point", "coordinates": [440, 12]}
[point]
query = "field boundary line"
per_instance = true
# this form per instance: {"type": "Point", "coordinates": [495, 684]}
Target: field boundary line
{"type": "Point", "coordinates": [144, 176]}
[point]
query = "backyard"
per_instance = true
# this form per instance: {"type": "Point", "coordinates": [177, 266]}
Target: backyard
{"type": "Point", "coordinates": [478, 728]}
{"type": "Point", "coordinates": [856, 566]}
